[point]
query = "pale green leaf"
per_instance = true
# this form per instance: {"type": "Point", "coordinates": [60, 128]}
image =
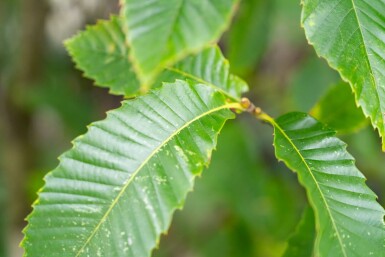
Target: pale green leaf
{"type": "Point", "coordinates": [115, 192]}
{"type": "Point", "coordinates": [349, 221]}
{"type": "Point", "coordinates": [90, 50]}
{"type": "Point", "coordinates": [163, 32]}
{"type": "Point", "coordinates": [338, 110]}
{"type": "Point", "coordinates": [102, 53]}
{"type": "Point", "coordinates": [210, 68]}
{"type": "Point", "coordinates": [301, 243]}
{"type": "Point", "coordinates": [350, 34]}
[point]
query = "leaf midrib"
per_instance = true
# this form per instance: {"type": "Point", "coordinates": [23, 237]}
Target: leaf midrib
{"type": "Point", "coordinates": [137, 65]}
{"type": "Point", "coordinates": [144, 163]}
{"type": "Point", "coordinates": [369, 64]}
{"type": "Point", "coordinates": [178, 12]}
{"type": "Point", "coordinates": [272, 121]}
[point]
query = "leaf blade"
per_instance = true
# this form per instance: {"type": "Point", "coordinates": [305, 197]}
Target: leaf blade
{"type": "Point", "coordinates": [102, 54]}
{"type": "Point", "coordinates": [210, 68]}
{"type": "Point", "coordinates": [114, 184]}
{"type": "Point", "coordinates": [349, 221]}
{"type": "Point", "coordinates": [198, 67]}
{"type": "Point", "coordinates": [348, 34]}
{"type": "Point", "coordinates": [178, 27]}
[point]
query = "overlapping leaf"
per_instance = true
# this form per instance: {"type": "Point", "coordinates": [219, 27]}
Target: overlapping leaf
{"type": "Point", "coordinates": [350, 34]}
{"type": "Point", "coordinates": [102, 53]}
{"type": "Point", "coordinates": [210, 68]}
{"type": "Point", "coordinates": [349, 221]}
{"type": "Point", "coordinates": [162, 32]}
{"type": "Point", "coordinates": [114, 193]}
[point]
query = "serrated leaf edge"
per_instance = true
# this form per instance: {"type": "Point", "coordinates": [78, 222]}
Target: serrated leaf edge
{"type": "Point", "coordinates": [276, 126]}
{"type": "Point", "coordinates": [344, 78]}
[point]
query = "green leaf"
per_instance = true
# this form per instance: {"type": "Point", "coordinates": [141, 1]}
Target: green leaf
{"type": "Point", "coordinates": [349, 221]}
{"type": "Point", "coordinates": [108, 68]}
{"type": "Point", "coordinates": [102, 53]}
{"type": "Point", "coordinates": [249, 35]}
{"type": "Point", "coordinates": [161, 33]}
{"type": "Point", "coordinates": [208, 67]}
{"type": "Point", "coordinates": [338, 110]}
{"type": "Point", "coordinates": [115, 192]}
{"type": "Point", "coordinates": [245, 210]}
{"type": "Point", "coordinates": [350, 35]}
{"type": "Point", "coordinates": [301, 243]}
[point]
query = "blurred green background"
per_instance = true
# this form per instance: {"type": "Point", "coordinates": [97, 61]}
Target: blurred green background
{"type": "Point", "coordinates": [246, 203]}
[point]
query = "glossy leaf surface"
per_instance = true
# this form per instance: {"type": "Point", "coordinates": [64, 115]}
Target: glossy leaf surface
{"type": "Point", "coordinates": [115, 192]}
{"type": "Point", "coordinates": [350, 34]}
{"type": "Point", "coordinates": [349, 221]}
{"type": "Point", "coordinates": [102, 53]}
{"type": "Point", "coordinates": [210, 68]}
{"type": "Point", "coordinates": [162, 32]}
{"type": "Point", "coordinates": [114, 71]}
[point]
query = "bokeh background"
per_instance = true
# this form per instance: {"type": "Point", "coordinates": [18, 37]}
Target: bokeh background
{"type": "Point", "coordinates": [246, 203]}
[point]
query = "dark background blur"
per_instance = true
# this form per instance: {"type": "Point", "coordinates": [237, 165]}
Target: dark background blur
{"type": "Point", "coordinates": [247, 203]}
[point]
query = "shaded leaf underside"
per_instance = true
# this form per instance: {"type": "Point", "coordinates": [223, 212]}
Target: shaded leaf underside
{"type": "Point", "coordinates": [349, 221]}
{"type": "Point", "coordinates": [248, 36]}
{"type": "Point", "coordinates": [114, 193]}
{"type": "Point", "coordinates": [338, 110]}
{"type": "Point", "coordinates": [301, 243]}
{"type": "Point", "coordinates": [350, 34]}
